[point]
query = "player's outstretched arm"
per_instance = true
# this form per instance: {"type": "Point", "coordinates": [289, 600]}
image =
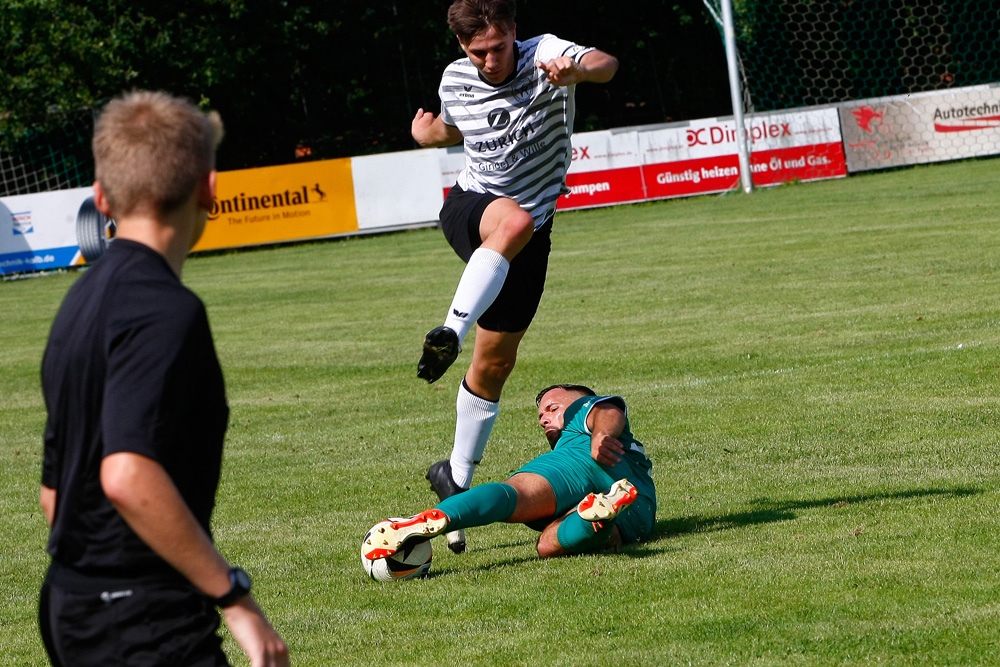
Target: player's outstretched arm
{"type": "Point", "coordinates": [430, 131]}
{"type": "Point", "coordinates": [595, 66]}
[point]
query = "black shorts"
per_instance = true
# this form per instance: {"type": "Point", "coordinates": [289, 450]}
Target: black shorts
{"type": "Point", "coordinates": [92, 621]}
{"type": "Point", "coordinates": [518, 300]}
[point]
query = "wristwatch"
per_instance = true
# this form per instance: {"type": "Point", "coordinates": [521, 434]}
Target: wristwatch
{"type": "Point", "coordinates": [239, 586]}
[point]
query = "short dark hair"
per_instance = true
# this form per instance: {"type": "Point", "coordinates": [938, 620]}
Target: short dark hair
{"type": "Point", "coordinates": [468, 18]}
{"type": "Point", "coordinates": [586, 391]}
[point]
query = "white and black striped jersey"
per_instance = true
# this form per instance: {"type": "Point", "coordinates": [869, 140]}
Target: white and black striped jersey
{"type": "Point", "coordinates": [516, 134]}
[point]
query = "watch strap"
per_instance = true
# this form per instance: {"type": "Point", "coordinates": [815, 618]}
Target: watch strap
{"type": "Point", "coordinates": [240, 584]}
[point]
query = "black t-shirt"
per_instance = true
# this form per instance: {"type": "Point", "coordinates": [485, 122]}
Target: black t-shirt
{"type": "Point", "coordinates": [130, 366]}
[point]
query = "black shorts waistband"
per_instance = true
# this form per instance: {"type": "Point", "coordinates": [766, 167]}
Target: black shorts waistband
{"type": "Point", "coordinates": [62, 576]}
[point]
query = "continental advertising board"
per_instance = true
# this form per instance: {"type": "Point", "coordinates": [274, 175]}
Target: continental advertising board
{"type": "Point", "coordinates": [285, 203]}
{"type": "Point", "coordinates": [921, 128]}
{"type": "Point", "coordinates": [322, 199]}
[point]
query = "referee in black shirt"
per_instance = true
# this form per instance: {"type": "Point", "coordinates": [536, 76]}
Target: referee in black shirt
{"type": "Point", "coordinates": [137, 414]}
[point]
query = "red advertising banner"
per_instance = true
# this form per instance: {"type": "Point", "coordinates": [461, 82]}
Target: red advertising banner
{"type": "Point", "coordinates": [700, 157]}
{"type": "Point", "coordinates": [692, 158]}
{"type": "Point", "coordinates": [798, 163]}
{"type": "Point", "coordinates": [684, 178]}
{"type": "Point", "coordinates": [601, 188]}
{"type": "Point", "coordinates": [699, 176]}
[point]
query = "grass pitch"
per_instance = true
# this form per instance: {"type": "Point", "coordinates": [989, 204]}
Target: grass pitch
{"type": "Point", "coordinates": [813, 369]}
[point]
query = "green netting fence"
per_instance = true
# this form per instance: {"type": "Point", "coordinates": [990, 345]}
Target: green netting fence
{"type": "Point", "coordinates": [47, 160]}
{"type": "Point", "coordinates": [799, 53]}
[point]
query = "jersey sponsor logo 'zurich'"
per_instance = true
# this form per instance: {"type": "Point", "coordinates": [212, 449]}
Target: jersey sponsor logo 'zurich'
{"type": "Point", "coordinates": [508, 140]}
{"type": "Point", "coordinates": [499, 119]}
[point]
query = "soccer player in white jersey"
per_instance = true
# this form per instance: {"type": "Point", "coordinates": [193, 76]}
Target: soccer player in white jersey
{"type": "Point", "coordinates": [512, 104]}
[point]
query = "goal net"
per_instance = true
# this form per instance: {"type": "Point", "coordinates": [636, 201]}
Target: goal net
{"type": "Point", "coordinates": [46, 160]}
{"type": "Point", "coordinates": [799, 53]}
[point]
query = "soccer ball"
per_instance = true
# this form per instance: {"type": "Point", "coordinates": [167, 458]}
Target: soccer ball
{"type": "Point", "coordinates": [411, 562]}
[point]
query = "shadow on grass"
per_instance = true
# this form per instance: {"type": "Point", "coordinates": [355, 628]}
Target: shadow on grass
{"type": "Point", "coordinates": [770, 512]}
{"type": "Point", "coordinates": [484, 567]}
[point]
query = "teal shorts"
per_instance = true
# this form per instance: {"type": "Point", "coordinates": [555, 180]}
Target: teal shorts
{"type": "Point", "coordinates": [572, 476]}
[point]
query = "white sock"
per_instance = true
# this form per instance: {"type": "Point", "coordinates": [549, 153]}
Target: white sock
{"type": "Point", "coordinates": [481, 282]}
{"type": "Point", "coordinates": [476, 417]}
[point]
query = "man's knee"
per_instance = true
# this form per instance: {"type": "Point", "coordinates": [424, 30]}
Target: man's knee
{"type": "Point", "coordinates": [549, 546]}
{"type": "Point", "coordinates": [510, 232]}
{"type": "Point", "coordinates": [548, 552]}
{"type": "Point", "coordinates": [535, 497]}
{"type": "Point", "coordinates": [520, 225]}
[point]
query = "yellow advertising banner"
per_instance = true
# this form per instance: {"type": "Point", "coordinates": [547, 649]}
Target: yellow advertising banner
{"type": "Point", "coordinates": [282, 203]}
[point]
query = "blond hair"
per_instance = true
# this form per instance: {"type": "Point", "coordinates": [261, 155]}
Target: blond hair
{"type": "Point", "coordinates": [150, 151]}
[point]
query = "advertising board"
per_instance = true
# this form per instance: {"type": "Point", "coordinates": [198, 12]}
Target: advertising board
{"type": "Point", "coordinates": [390, 191]}
{"type": "Point", "coordinates": [921, 128]}
{"type": "Point", "coordinates": [283, 203]}
{"type": "Point", "coordinates": [700, 157]}
{"type": "Point", "coordinates": [39, 231]}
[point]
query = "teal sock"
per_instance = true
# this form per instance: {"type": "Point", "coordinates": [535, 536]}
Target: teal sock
{"type": "Point", "coordinates": [480, 505]}
{"type": "Point", "coordinates": [577, 535]}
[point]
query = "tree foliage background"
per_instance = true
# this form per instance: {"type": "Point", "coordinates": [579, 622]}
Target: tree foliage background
{"type": "Point", "coordinates": [338, 77]}
{"type": "Point", "coordinates": [317, 79]}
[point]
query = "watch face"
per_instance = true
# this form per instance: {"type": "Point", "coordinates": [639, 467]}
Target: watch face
{"type": "Point", "coordinates": [240, 586]}
{"type": "Point", "coordinates": [241, 579]}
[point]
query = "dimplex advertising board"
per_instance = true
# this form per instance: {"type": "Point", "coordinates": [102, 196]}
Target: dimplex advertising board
{"type": "Point", "coordinates": [921, 128]}
{"type": "Point", "coordinates": [701, 156]}
{"type": "Point", "coordinates": [692, 158]}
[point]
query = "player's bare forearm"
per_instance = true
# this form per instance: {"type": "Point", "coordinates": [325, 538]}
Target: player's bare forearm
{"type": "Point", "coordinates": [47, 499]}
{"type": "Point", "coordinates": [146, 497]}
{"type": "Point", "coordinates": [144, 494]}
{"type": "Point", "coordinates": [606, 422]}
{"type": "Point", "coordinates": [430, 131]}
{"type": "Point", "coordinates": [252, 631]}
